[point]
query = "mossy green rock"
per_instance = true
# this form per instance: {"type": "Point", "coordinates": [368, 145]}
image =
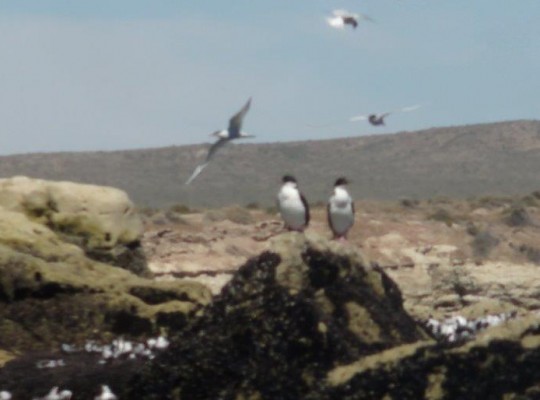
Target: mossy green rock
{"type": "Point", "coordinates": [52, 293]}
{"type": "Point", "coordinates": [100, 220]}
{"type": "Point", "coordinates": [287, 317]}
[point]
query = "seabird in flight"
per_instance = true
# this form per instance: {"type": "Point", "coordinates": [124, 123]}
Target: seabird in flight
{"type": "Point", "coordinates": [378, 119]}
{"type": "Point", "coordinates": [340, 18]}
{"type": "Point", "coordinates": [234, 131]}
{"type": "Point", "coordinates": [340, 210]}
{"type": "Point", "coordinates": [292, 205]}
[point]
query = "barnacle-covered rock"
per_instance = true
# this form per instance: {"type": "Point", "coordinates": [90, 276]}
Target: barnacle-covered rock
{"type": "Point", "coordinates": [287, 317]}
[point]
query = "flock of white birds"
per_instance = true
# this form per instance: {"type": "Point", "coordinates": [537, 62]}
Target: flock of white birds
{"type": "Point", "coordinates": [117, 349]}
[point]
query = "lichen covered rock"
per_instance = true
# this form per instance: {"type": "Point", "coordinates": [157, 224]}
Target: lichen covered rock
{"type": "Point", "coordinates": [100, 220]}
{"type": "Point", "coordinates": [52, 293]}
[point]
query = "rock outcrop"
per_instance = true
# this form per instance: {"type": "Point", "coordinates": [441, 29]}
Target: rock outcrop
{"type": "Point", "coordinates": [289, 320]}
{"type": "Point", "coordinates": [502, 363]}
{"type": "Point", "coordinates": [286, 318]}
{"type": "Point", "coordinates": [308, 319]}
{"type": "Point", "coordinates": [101, 220]}
{"type": "Point", "coordinates": [52, 292]}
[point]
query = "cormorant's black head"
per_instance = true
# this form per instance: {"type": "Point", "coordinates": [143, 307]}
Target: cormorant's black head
{"type": "Point", "coordinates": [288, 178]}
{"type": "Point", "coordinates": [341, 181]}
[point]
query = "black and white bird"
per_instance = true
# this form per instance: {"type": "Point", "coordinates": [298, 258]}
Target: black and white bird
{"type": "Point", "coordinates": [341, 18]}
{"type": "Point", "coordinates": [378, 119]}
{"type": "Point", "coordinates": [106, 394]}
{"type": "Point", "coordinates": [234, 131]}
{"type": "Point", "coordinates": [340, 210]}
{"type": "Point", "coordinates": [292, 205]}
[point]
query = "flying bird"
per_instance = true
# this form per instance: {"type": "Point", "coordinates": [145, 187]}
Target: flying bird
{"type": "Point", "coordinates": [340, 210]}
{"type": "Point", "coordinates": [378, 119]}
{"type": "Point", "coordinates": [234, 131]}
{"type": "Point", "coordinates": [340, 18]}
{"type": "Point", "coordinates": [292, 205]}
{"type": "Point", "coordinates": [375, 119]}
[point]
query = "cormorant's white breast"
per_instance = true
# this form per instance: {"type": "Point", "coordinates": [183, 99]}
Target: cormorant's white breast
{"type": "Point", "coordinates": [292, 205]}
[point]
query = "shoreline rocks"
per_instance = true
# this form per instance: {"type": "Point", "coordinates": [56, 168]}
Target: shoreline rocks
{"type": "Point", "coordinates": [100, 220]}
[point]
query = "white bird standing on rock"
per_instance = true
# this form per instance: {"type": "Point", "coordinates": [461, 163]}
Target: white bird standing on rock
{"type": "Point", "coordinates": [106, 394]}
{"type": "Point", "coordinates": [340, 18]}
{"type": "Point", "coordinates": [292, 205]}
{"type": "Point", "coordinates": [234, 131]}
{"type": "Point", "coordinates": [340, 210]}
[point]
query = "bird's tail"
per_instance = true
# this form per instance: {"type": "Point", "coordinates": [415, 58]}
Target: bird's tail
{"type": "Point", "coordinates": [196, 173]}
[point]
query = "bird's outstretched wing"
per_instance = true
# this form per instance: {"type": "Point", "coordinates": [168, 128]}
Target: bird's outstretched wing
{"type": "Point", "coordinates": [209, 156]}
{"type": "Point", "coordinates": [217, 145]}
{"type": "Point", "coordinates": [196, 173]}
{"type": "Point", "coordinates": [359, 118]}
{"type": "Point", "coordinates": [306, 209]}
{"type": "Point", "coordinates": [364, 17]}
{"type": "Point", "coordinates": [235, 123]}
{"type": "Point", "coordinates": [411, 108]}
{"type": "Point", "coordinates": [385, 114]}
{"type": "Point", "coordinates": [325, 124]}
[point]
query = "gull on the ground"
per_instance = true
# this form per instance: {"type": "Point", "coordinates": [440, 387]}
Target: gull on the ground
{"type": "Point", "coordinates": [54, 394]}
{"type": "Point", "coordinates": [106, 394]}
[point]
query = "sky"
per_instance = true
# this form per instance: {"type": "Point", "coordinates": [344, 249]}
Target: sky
{"type": "Point", "coordinates": [126, 74]}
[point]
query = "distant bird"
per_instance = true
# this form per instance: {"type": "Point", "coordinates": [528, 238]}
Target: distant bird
{"type": "Point", "coordinates": [54, 394]}
{"type": "Point", "coordinates": [106, 394]}
{"type": "Point", "coordinates": [234, 131]}
{"type": "Point", "coordinates": [5, 395]}
{"type": "Point", "coordinates": [340, 210]}
{"type": "Point", "coordinates": [378, 119]}
{"type": "Point", "coordinates": [292, 205]}
{"type": "Point", "coordinates": [340, 18]}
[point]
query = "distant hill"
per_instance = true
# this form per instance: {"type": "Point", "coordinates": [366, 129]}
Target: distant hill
{"type": "Point", "coordinates": [497, 158]}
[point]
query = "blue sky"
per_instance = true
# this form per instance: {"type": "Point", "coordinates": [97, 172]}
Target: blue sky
{"type": "Point", "coordinates": [115, 74]}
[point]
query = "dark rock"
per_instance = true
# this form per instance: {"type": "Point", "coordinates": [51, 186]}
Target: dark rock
{"type": "Point", "coordinates": [287, 317]}
{"type": "Point", "coordinates": [501, 364]}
